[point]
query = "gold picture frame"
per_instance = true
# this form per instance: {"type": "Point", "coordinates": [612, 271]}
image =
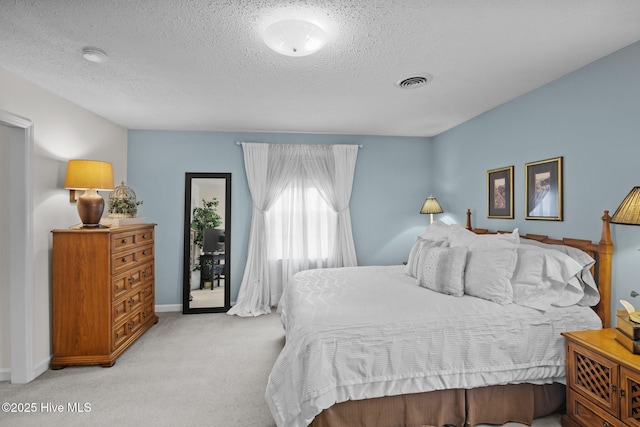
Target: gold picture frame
{"type": "Point", "coordinates": [500, 193]}
{"type": "Point", "coordinates": [543, 190]}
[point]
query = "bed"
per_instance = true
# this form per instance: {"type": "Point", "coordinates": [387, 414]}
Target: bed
{"type": "Point", "coordinates": [393, 346]}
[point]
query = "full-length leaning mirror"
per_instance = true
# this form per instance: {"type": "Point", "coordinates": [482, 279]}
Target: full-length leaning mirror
{"type": "Point", "coordinates": [207, 242]}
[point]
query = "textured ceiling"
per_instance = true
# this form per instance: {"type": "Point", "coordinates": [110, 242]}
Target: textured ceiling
{"type": "Point", "coordinates": [202, 65]}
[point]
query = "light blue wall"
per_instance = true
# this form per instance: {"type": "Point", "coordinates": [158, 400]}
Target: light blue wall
{"type": "Point", "coordinates": [590, 117]}
{"type": "Point", "coordinates": [390, 184]}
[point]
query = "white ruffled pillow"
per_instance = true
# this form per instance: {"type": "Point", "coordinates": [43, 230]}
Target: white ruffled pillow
{"type": "Point", "coordinates": [414, 254]}
{"type": "Point", "coordinates": [491, 260]}
{"type": "Point", "coordinates": [591, 295]}
{"type": "Point", "coordinates": [547, 277]}
{"type": "Point", "coordinates": [442, 270]}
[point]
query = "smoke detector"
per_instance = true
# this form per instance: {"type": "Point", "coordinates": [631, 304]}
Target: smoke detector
{"type": "Point", "coordinates": [93, 54]}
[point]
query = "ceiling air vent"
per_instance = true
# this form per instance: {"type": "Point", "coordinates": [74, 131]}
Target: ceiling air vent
{"type": "Point", "coordinates": [414, 82]}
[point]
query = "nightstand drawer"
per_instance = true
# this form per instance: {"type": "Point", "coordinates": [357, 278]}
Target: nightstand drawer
{"type": "Point", "coordinates": [589, 415]}
{"type": "Point", "coordinates": [630, 388]}
{"type": "Point", "coordinates": [594, 377]}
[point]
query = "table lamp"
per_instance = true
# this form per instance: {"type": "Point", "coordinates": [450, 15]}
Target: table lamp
{"type": "Point", "coordinates": [91, 176]}
{"type": "Point", "coordinates": [629, 210]}
{"type": "Point", "coordinates": [431, 206]}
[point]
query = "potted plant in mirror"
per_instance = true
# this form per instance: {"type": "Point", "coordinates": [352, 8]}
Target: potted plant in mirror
{"type": "Point", "coordinates": [205, 216]}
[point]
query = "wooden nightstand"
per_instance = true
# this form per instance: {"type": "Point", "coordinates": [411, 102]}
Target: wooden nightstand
{"type": "Point", "coordinates": [603, 381]}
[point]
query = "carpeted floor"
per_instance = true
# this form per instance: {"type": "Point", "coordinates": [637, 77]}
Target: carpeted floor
{"type": "Point", "coordinates": [188, 370]}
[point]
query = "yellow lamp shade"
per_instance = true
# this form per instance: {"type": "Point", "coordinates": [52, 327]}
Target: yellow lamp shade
{"type": "Point", "coordinates": [84, 174]}
{"type": "Point", "coordinates": [91, 176]}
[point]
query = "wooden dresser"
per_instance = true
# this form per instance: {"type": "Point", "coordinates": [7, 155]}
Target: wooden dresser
{"type": "Point", "coordinates": [603, 381]}
{"type": "Point", "coordinates": [103, 292]}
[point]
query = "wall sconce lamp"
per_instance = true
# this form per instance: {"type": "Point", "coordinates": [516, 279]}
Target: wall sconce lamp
{"type": "Point", "coordinates": [91, 176]}
{"type": "Point", "coordinates": [629, 210]}
{"type": "Point", "coordinates": [431, 206]}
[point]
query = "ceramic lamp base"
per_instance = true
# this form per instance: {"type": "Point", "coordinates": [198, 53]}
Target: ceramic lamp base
{"type": "Point", "coordinates": [90, 208]}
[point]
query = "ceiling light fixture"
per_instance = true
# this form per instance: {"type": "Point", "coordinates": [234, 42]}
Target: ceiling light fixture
{"type": "Point", "coordinates": [93, 54]}
{"type": "Point", "coordinates": [295, 37]}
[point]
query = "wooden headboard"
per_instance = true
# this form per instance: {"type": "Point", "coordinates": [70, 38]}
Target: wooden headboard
{"type": "Point", "coordinates": [602, 252]}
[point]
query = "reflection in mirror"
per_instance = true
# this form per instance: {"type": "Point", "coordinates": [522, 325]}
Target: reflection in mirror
{"type": "Point", "coordinates": [207, 243]}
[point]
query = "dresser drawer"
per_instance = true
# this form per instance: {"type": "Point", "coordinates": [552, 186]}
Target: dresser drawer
{"type": "Point", "coordinates": [129, 239]}
{"type": "Point", "coordinates": [140, 317]}
{"type": "Point", "coordinates": [120, 285]}
{"type": "Point", "coordinates": [120, 310]}
{"type": "Point", "coordinates": [123, 241]}
{"type": "Point", "coordinates": [146, 273]}
{"type": "Point", "coordinates": [136, 299]}
{"type": "Point", "coordinates": [147, 293]}
{"type": "Point", "coordinates": [120, 333]}
{"type": "Point", "coordinates": [129, 260]}
{"type": "Point", "coordinates": [144, 254]}
{"type": "Point", "coordinates": [123, 262]}
{"type": "Point", "coordinates": [588, 414]}
{"type": "Point", "coordinates": [144, 237]}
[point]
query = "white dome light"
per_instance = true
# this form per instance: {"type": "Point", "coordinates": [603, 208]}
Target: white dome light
{"type": "Point", "coordinates": [293, 37]}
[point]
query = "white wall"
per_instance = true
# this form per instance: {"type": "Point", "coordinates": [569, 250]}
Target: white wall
{"type": "Point", "coordinates": [62, 131]}
{"type": "Point", "coordinates": [5, 353]}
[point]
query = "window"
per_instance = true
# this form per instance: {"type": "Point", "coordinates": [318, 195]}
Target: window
{"type": "Point", "coordinates": [301, 225]}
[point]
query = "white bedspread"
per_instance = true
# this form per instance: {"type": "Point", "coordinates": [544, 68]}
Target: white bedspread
{"type": "Point", "coordinates": [362, 332]}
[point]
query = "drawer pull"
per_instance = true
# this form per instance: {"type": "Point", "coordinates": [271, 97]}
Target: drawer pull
{"type": "Point", "coordinates": [605, 424]}
{"type": "Point", "coordinates": [124, 241]}
{"type": "Point", "coordinates": [144, 252]}
{"type": "Point", "coordinates": [130, 303]}
{"type": "Point", "coordinates": [124, 259]}
{"type": "Point", "coordinates": [130, 280]}
{"type": "Point", "coordinates": [144, 236]}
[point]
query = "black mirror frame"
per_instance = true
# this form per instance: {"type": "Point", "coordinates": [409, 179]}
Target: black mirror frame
{"type": "Point", "coordinates": [189, 176]}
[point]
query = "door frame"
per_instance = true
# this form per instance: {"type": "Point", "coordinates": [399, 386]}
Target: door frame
{"type": "Point", "coordinates": [21, 241]}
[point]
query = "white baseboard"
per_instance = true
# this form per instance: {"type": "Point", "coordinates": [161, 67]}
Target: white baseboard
{"type": "Point", "coordinates": [39, 369]}
{"type": "Point", "coordinates": [165, 308]}
{"type": "Point", "coordinates": [42, 367]}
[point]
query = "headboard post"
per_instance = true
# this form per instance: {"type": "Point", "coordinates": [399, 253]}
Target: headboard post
{"type": "Point", "coordinates": [605, 256]}
{"type": "Point", "coordinates": [468, 227]}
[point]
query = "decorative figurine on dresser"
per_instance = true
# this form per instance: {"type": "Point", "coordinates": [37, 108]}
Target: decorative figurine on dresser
{"type": "Point", "coordinates": [103, 286]}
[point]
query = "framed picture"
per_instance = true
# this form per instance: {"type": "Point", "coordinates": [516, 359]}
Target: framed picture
{"type": "Point", "coordinates": [543, 189]}
{"type": "Point", "coordinates": [500, 193]}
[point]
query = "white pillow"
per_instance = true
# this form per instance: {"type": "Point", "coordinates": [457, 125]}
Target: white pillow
{"type": "Point", "coordinates": [442, 270]}
{"type": "Point", "coordinates": [591, 295]}
{"type": "Point", "coordinates": [545, 277]}
{"type": "Point", "coordinates": [438, 230]}
{"type": "Point", "coordinates": [491, 260]}
{"type": "Point", "coordinates": [414, 254]}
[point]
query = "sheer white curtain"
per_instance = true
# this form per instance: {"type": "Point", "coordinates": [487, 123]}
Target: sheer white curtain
{"type": "Point", "coordinates": [301, 217]}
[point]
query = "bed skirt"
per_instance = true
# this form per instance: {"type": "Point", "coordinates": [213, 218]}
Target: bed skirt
{"type": "Point", "coordinates": [486, 405]}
